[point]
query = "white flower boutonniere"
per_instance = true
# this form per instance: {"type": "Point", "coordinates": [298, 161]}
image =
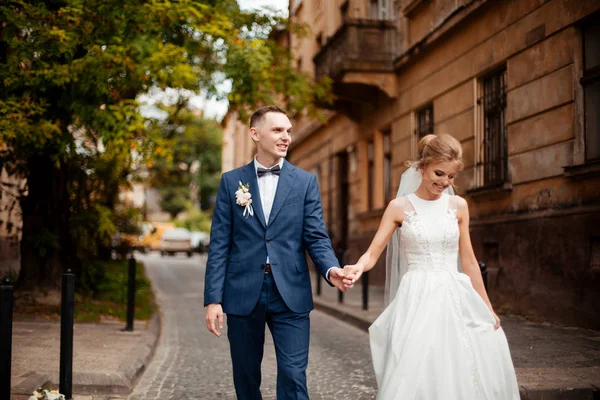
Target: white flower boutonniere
{"type": "Point", "coordinates": [244, 198]}
{"type": "Point", "coordinates": [45, 394]}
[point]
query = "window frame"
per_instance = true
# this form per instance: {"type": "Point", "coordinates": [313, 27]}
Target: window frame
{"type": "Point", "coordinates": [387, 165]}
{"type": "Point", "coordinates": [491, 103]}
{"type": "Point", "coordinates": [422, 126]}
{"type": "Point", "coordinates": [590, 79]}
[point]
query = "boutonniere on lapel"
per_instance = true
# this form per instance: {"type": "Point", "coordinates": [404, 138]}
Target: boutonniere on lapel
{"type": "Point", "coordinates": [243, 198]}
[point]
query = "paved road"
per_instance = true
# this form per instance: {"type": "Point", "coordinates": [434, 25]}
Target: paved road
{"type": "Point", "coordinates": [191, 363]}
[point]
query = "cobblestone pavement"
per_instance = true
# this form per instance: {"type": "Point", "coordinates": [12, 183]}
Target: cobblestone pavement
{"type": "Point", "coordinates": [191, 363]}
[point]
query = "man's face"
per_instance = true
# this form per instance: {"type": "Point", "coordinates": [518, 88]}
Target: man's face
{"type": "Point", "coordinates": [272, 136]}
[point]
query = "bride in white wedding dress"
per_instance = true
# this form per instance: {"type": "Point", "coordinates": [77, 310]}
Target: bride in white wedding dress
{"type": "Point", "coordinates": [439, 337]}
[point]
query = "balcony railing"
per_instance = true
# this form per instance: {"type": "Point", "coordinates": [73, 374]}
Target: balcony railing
{"type": "Point", "coordinates": [360, 46]}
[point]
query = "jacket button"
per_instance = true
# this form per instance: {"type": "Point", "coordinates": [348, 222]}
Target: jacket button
{"type": "Point", "coordinates": [268, 240]}
{"type": "Point", "coordinates": [262, 266]}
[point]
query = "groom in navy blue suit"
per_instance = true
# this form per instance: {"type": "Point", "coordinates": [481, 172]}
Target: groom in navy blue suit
{"type": "Point", "coordinates": [267, 215]}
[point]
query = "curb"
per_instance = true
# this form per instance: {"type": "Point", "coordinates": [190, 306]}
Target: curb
{"type": "Point", "coordinates": [581, 393]}
{"type": "Point", "coordinates": [32, 381]}
{"type": "Point", "coordinates": [121, 382]}
{"type": "Point", "coordinates": [135, 367]}
{"type": "Point", "coordinates": [358, 322]}
{"type": "Point", "coordinates": [589, 393]}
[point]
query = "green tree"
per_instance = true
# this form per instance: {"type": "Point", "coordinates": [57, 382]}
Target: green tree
{"type": "Point", "coordinates": [193, 164]}
{"type": "Point", "coordinates": [175, 199]}
{"type": "Point", "coordinates": [71, 72]}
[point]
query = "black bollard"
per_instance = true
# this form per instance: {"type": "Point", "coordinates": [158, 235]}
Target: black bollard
{"type": "Point", "coordinates": [6, 316]}
{"type": "Point", "coordinates": [483, 269]}
{"type": "Point", "coordinates": [365, 290]}
{"type": "Point", "coordinates": [130, 294]}
{"type": "Point", "coordinates": [319, 279]}
{"type": "Point", "coordinates": [67, 316]}
{"type": "Point", "coordinates": [341, 262]}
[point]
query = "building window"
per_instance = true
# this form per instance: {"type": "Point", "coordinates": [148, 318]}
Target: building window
{"type": "Point", "coordinates": [381, 9]}
{"type": "Point", "coordinates": [371, 172]}
{"type": "Point", "coordinates": [591, 90]}
{"type": "Point", "coordinates": [387, 164]}
{"type": "Point", "coordinates": [317, 172]}
{"type": "Point", "coordinates": [424, 121]}
{"type": "Point", "coordinates": [492, 105]}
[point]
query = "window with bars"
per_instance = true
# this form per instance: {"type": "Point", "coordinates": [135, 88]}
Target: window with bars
{"type": "Point", "coordinates": [424, 121]}
{"type": "Point", "coordinates": [387, 164]}
{"type": "Point", "coordinates": [371, 172]}
{"type": "Point", "coordinates": [591, 90]}
{"type": "Point", "coordinates": [492, 105]}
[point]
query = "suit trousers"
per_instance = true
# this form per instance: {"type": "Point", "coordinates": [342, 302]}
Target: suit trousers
{"type": "Point", "coordinates": [291, 335]}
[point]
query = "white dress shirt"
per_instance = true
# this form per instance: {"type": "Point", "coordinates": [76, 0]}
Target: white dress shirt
{"type": "Point", "coordinates": [267, 186]}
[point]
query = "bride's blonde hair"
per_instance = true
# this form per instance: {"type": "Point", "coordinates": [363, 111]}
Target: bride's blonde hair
{"type": "Point", "coordinates": [438, 148]}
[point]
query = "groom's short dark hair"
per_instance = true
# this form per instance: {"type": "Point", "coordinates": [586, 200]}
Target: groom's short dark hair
{"type": "Point", "coordinates": [261, 112]}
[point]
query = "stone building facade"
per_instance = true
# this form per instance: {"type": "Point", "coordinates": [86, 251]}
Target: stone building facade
{"type": "Point", "coordinates": [516, 81]}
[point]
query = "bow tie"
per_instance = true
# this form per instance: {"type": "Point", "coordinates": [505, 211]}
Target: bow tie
{"type": "Point", "coordinates": [276, 170]}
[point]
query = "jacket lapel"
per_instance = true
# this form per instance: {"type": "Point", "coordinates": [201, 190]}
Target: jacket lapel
{"type": "Point", "coordinates": [286, 181]}
{"type": "Point", "coordinates": [250, 177]}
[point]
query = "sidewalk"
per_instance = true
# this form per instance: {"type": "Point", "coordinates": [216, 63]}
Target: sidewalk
{"type": "Point", "coordinates": [106, 361]}
{"type": "Point", "coordinates": [552, 362]}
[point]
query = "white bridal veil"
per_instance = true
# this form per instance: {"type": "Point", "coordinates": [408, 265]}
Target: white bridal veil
{"type": "Point", "coordinates": [395, 261]}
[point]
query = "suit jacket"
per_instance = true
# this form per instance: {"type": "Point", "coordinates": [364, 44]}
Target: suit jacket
{"type": "Point", "coordinates": [239, 245]}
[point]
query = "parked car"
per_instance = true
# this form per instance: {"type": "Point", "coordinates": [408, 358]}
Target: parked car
{"type": "Point", "coordinates": [200, 241]}
{"type": "Point", "coordinates": [177, 240]}
{"type": "Point", "coordinates": [152, 237]}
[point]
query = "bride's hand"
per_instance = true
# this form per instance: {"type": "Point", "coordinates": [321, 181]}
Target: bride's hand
{"type": "Point", "coordinates": [352, 274]}
{"type": "Point", "coordinates": [497, 324]}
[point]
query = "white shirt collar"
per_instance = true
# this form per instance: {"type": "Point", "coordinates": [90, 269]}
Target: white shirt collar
{"type": "Point", "coordinates": [259, 165]}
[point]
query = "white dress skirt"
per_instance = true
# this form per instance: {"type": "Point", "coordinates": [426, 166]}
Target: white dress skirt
{"type": "Point", "coordinates": [436, 340]}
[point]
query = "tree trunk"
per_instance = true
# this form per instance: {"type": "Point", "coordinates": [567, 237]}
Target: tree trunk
{"type": "Point", "coordinates": [46, 248]}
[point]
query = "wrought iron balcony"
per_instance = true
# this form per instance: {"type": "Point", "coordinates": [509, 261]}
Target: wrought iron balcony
{"type": "Point", "coordinates": [358, 46]}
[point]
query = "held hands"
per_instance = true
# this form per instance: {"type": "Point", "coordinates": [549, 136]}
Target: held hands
{"type": "Point", "coordinates": [336, 277]}
{"type": "Point", "coordinates": [344, 279]}
{"type": "Point", "coordinates": [352, 274]}
{"type": "Point", "coordinates": [214, 314]}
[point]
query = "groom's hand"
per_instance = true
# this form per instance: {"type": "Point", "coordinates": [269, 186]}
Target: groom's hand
{"type": "Point", "coordinates": [336, 277]}
{"type": "Point", "coordinates": [214, 314]}
{"type": "Point", "coordinates": [352, 273]}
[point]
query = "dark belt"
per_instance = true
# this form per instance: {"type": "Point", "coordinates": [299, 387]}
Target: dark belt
{"type": "Point", "coordinates": [267, 268]}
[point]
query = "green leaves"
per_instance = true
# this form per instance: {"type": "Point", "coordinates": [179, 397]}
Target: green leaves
{"type": "Point", "coordinates": [189, 167]}
{"type": "Point", "coordinates": [68, 61]}
{"type": "Point", "coordinates": [71, 74]}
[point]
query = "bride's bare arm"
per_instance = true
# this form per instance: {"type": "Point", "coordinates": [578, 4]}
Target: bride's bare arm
{"type": "Point", "coordinates": [392, 217]}
{"type": "Point", "coordinates": [467, 255]}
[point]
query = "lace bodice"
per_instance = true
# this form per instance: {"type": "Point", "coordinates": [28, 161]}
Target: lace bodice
{"type": "Point", "coordinates": [429, 234]}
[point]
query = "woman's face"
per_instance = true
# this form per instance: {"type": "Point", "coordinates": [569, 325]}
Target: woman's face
{"type": "Point", "coordinates": [438, 176]}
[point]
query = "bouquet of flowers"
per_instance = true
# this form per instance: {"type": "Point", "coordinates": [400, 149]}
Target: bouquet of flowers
{"type": "Point", "coordinates": [45, 394]}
